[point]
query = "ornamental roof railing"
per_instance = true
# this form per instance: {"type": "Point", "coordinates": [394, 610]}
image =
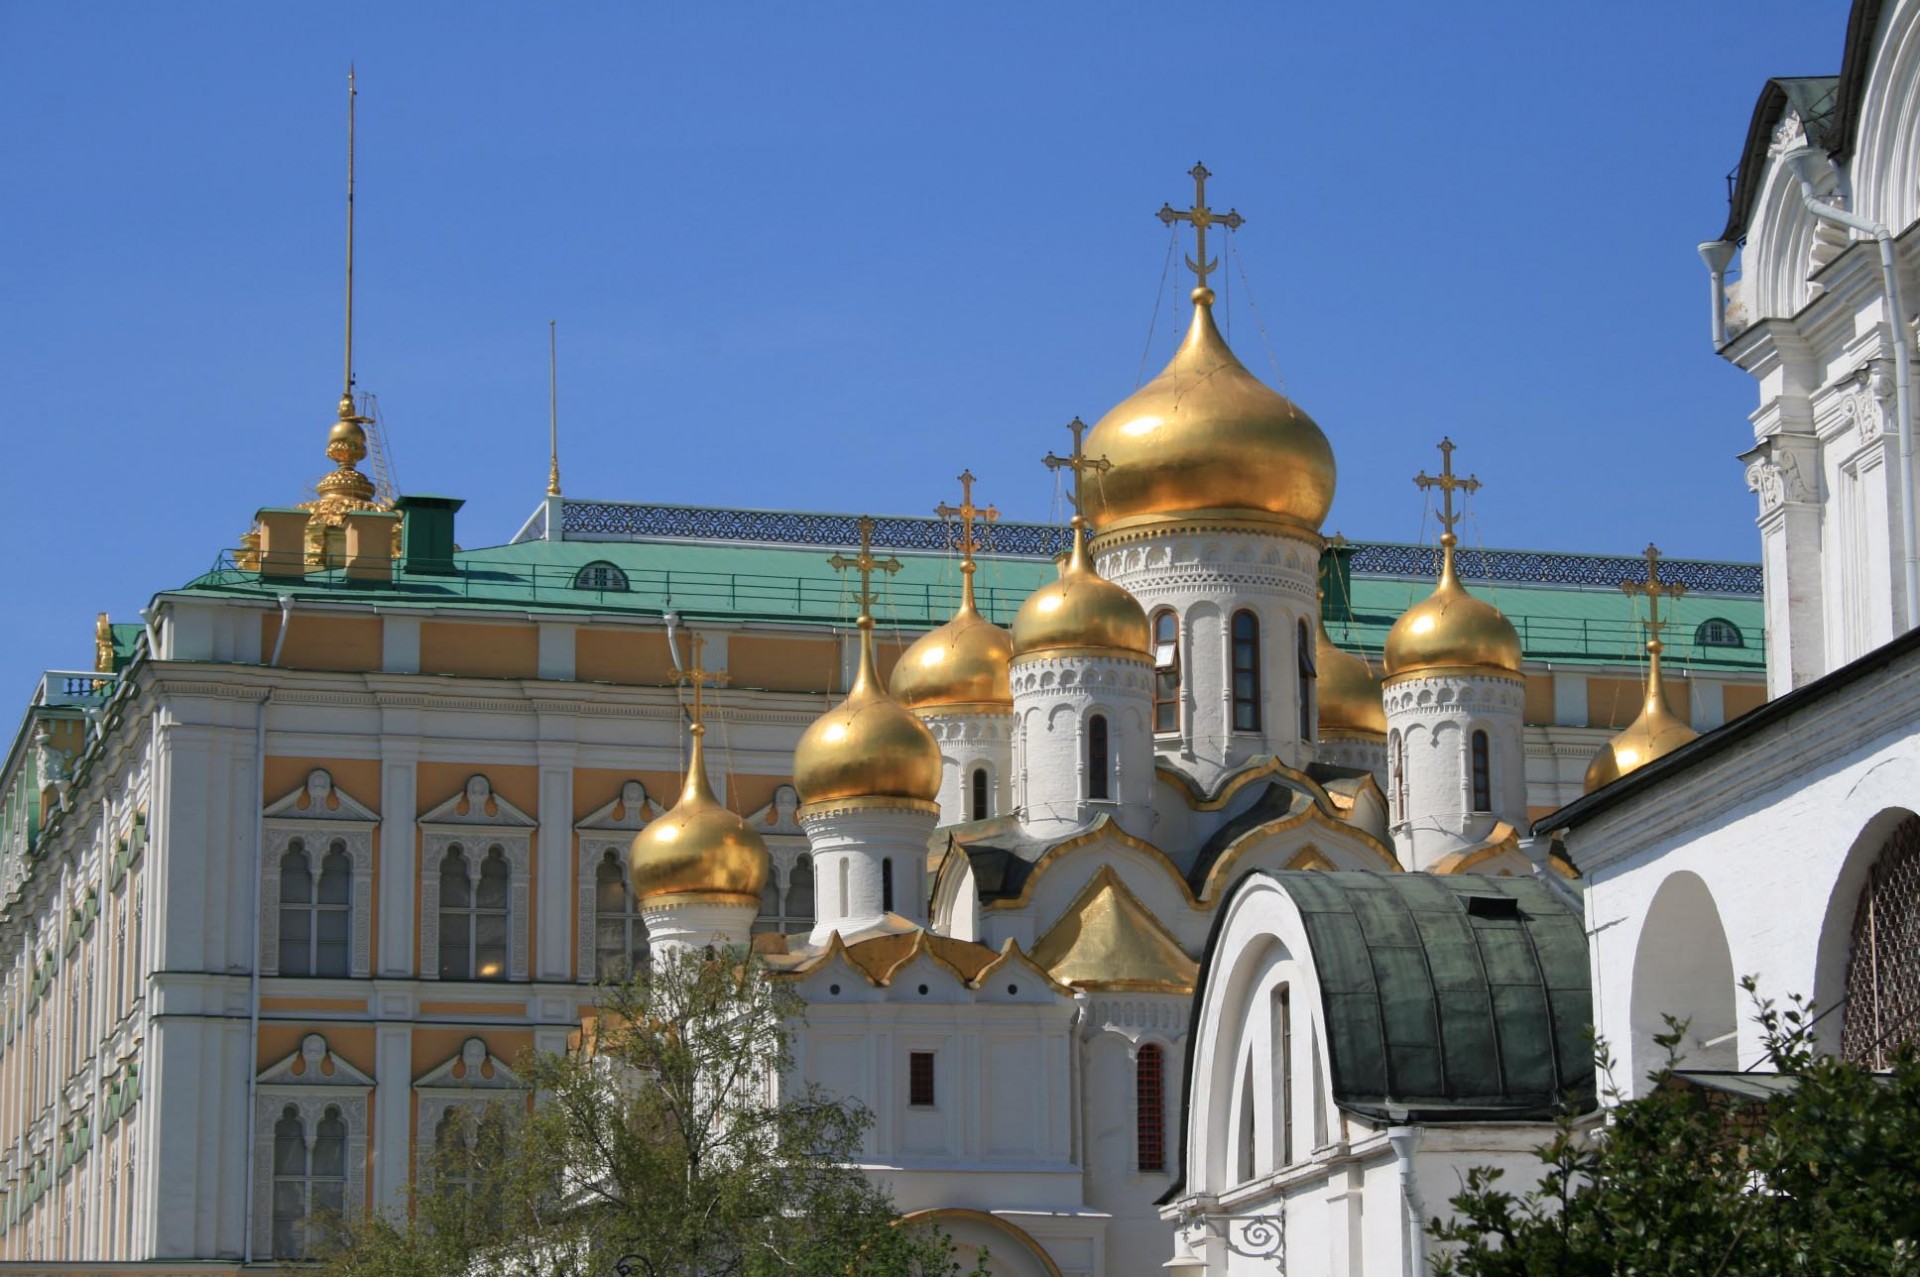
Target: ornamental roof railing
{"type": "Point", "coordinates": [634, 521]}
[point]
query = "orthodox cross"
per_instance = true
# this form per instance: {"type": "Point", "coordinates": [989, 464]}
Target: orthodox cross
{"type": "Point", "coordinates": [966, 512]}
{"type": "Point", "coordinates": [1655, 589]}
{"type": "Point", "coordinates": [1202, 217]}
{"type": "Point", "coordinates": [700, 679]}
{"type": "Point", "coordinates": [1077, 461]}
{"type": "Point", "coordinates": [866, 565]}
{"type": "Point", "coordinates": [1448, 483]}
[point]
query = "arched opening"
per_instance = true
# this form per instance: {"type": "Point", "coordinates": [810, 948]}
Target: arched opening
{"type": "Point", "coordinates": [1481, 766]}
{"type": "Point", "coordinates": [1882, 1009]}
{"type": "Point", "coordinates": [1246, 672]}
{"type": "Point", "coordinates": [1307, 671]}
{"type": "Point", "coordinates": [1166, 671]}
{"type": "Point", "coordinates": [886, 884]}
{"type": "Point", "coordinates": [1397, 766]}
{"type": "Point", "coordinates": [1683, 968]}
{"type": "Point", "coordinates": [1834, 960]}
{"type": "Point", "coordinates": [979, 806]}
{"type": "Point", "coordinates": [1098, 758]}
{"type": "Point", "coordinates": [1150, 1110]}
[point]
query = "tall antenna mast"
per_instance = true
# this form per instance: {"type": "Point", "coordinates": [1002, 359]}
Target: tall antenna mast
{"type": "Point", "coordinates": [553, 410]}
{"type": "Point", "coordinates": [352, 92]}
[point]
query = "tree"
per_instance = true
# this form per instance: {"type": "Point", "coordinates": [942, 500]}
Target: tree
{"type": "Point", "coordinates": [1822, 1179]}
{"type": "Point", "coordinates": [669, 1145]}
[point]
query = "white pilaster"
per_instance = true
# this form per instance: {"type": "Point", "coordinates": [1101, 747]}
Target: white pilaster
{"type": "Point", "coordinates": [399, 855]}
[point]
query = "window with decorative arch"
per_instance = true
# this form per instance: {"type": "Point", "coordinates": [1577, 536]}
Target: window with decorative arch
{"type": "Point", "coordinates": [600, 575]}
{"type": "Point", "coordinates": [1883, 966]}
{"type": "Point", "coordinates": [1480, 765]}
{"type": "Point", "coordinates": [1098, 758]}
{"type": "Point", "coordinates": [619, 932]}
{"type": "Point", "coordinates": [1166, 671]}
{"type": "Point", "coordinates": [1246, 672]}
{"type": "Point", "coordinates": [1397, 768]}
{"type": "Point", "coordinates": [1150, 1109]}
{"type": "Point", "coordinates": [475, 912]}
{"type": "Point", "coordinates": [979, 808]}
{"type": "Point", "coordinates": [316, 909]}
{"type": "Point", "coordinates": [309, 1179]}
{"type": "Point", "coordinates": [1718, 632]}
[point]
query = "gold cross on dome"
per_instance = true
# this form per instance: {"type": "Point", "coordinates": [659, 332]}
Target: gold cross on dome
{"type": "Point", "coordinates": [1201, 217]}
{"type": "Point", "coordinates": [1078, 462]}
{"type": "Point", "coordinates": [967, 512]}
{"type": "Point", "coordinates": [700, 679]}
{"type": "Point", "coordinates": [1448, 483]}
{"type": "Point", "coordinates": [866, 565]}
{"type": "Point", "coordinates": [1655, 589]}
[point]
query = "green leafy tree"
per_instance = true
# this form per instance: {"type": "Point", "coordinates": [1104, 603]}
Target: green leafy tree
{"type": "Point", "coordinates": [1821, 1180]}
{"type": "Point", "coordinates": [667, 1146]}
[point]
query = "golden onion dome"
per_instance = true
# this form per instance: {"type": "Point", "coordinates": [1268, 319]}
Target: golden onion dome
{"type": "Point", "coordinates": [1451, 629]}
{"type": "Point", "coordinates": [699, 848]}
{"type": "Point", "coordinates": [1080, 610]}
{"type": "Point", "coordinates": [867, 746]}
{"type": "Point", "coordinates": [1208, 439]}
{"type": "Point", "coordinates": [1657, 731]}
{"type": "Point", "coordinates": [1348, 693]}
{"type": "Point", "coordinates": [961, 664]}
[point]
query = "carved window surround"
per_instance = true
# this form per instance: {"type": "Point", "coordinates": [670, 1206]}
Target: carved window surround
{"type": "Point", "coordinates": [472, 1079]}
{"type": "Point", "coordinates": [310, 1081]}
{"type": "Point", "coordinates": [477, 820]}
{"type": "Point", "coordinates": [611, 828]}
{"type": "Point", "coordinates": [318, 814]}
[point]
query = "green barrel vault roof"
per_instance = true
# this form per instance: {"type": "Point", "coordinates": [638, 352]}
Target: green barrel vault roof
{"type": "Point", "coordinates": [1456, 998]}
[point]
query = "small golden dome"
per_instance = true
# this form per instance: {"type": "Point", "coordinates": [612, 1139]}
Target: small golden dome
{"type": "Point", "coordinates": [867, 746]}
{"type": "Point", "coordinates": [1348, 693]}
{"type": "Point", "coordinates": [699, 848]}
{"type": "Point", "coordinates": [962, 663]}
{"type": "Point", "coordinates": [1080, 610]}
{"type": "Point", "coordinates": [1657, 731]}
{"type": "Point", "coordinates": [1208, 438]}
{"type": "Point", "coordinates": [1451, 629]}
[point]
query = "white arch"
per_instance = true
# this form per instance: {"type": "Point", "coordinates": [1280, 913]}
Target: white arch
{"type": "Point", "coordinates": [1886, 154]}
{"type": "Point", "coordinates": [1683, 968]}
{"type": "Point", "coordinates": [1836, 928]}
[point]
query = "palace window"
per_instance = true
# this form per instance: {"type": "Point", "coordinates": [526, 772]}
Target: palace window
{"type": "Point", "coordinates": [920, 1079]}
{"type": "Point", "coordinates": [465, 1143]}
{"type": "Point", "coordinates": [1166, 671]}
{"type": "Point", "coordinates": [309, 1181]}
{"type": "Point", "coordinates": [1150, 1109]}
{"type": "Point", "coordinates": [1246, 672]}
{"type": "Point", "coordinates": [1718, 632]}
{"type": "Point", "coordinates": [1097, 757]}
{"type": "Point", "coordinates": [620, 936]}
{"type": "Point", "coordinates": [474, 915]}
{"type": "Point", "coordinates": [316, 905]}
{"type": "Point", "coordinates": [1482, 773]}
{"type": "Point", "coordinates": [600, 575]}
{"type": "Point", "coordinates": [979, 782]}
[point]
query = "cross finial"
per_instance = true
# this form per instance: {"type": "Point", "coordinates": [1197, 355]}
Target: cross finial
{"type": "Point", "coordinates": [1080, 464]}
{"type": "Point", "coordinates": [967, 512]}
{"type": "Point", "coordinates": [1201, 217]}
{"type": "Point", "coordinates": [699, 679]}
{"type": "Point", "coordinates": [1655, 589]}
{"type": "Point", "coordinates": [866, 565]}
{"type": "Point", "coordinates": [1448, 483]}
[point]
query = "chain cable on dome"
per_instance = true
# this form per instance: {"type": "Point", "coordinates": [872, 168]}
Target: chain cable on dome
{"type": "Point", "coordinates": [1159, 295]}
{"type": "Point", "coordinates": [1266, 340]}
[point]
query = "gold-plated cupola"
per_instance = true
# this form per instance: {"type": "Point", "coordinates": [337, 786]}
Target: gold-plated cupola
{"type": "Point", "coordinates": [1450, 629]}
{"type": "Point", "coordinates": [1656, 730]}
{"type": "Point", "coordinates": [700, 850]}
{"type": "Point", "coordinates": [962, 665]}
{"type": "Point", "coordinates": [869, 746]}
{"type": "Point", "coordinates": [1082, 610]}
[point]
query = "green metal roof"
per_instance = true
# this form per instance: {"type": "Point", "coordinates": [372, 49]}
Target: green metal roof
{"type": "Point", "coordinates": [731, 581]}
{"type": "Point", "coordinates": [1457, 998]}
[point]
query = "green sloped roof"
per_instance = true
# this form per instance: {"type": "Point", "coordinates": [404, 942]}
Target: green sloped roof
{"type": "Point", "coordinates": [732, 581]}
{"type": "Point", "coordinates": [1458, 998]}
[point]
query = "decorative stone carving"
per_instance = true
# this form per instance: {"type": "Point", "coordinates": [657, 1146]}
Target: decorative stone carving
{"type": "Point", "coordinates": [1775, 477]}
{"type": "Point", "coordinates": [611, 828]}
{"type": "Point", "coordinates": [318, 815]}
{"type": "Point", "coordinates": [471, 1079]}
{"type": "Point", "coordinates": [311, 1081]}
{"type": "Point", "coordinates": [1788, 135]}
{"type": "Point", "coordinates": [477, 820]}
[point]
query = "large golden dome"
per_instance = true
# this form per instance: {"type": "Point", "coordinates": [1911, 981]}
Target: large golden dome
{"type": "Point", "coordinates": [1348, 693]}
{"type": "Point", "coordinates": [1208, 439]}
{"type": "Point", "coordinates": [1451, 629]}
{"type": "Point", "coordinates": [960, 665]}
{"type": "Point", "coordinates": [1656, 732]}
{"type": "Point", "coordinates": [699, 848]}
{"type": "Point", "coordinates": [867, 746]}
{"type": "Point", "coordinates": [1080, 610]}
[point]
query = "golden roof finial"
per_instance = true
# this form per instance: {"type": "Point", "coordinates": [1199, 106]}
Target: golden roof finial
{"type": "Point", "coordinates": [967, 512]}
{"type": "Point", "coordinates": [699, 679]}
{"type": "Point", "coordinates": [1448, 483]}
{"type": "Point", "coordinates": [346, 394]}
{"type": "Point", "coordinates": [1657, 731]}
{"type": "Point", "coordinates": [866, 565]}
{"type": "Point", "coordinates": [1201, 217]}
{"type": "Point", "coordinates": [1655, 589]}
{"type": "Point", "coordinates": [347, 443]}
{"type": "Point", "coordinates": [553, 408]}
{"type": "Point", "coordinates": [1078, 463]}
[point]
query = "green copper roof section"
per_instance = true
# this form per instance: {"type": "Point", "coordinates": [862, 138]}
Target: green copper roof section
{"type": "Point", "coordinates": [1458, 998]}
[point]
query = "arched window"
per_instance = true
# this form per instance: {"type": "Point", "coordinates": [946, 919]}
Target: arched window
{"type": "Point", "coordinates": [1166, 671]}
{"type": "Point", "coordinates": [1246, 672]}
{"type": "Point", "coordinates": [886, 885]}
{"type": "Point", "coordinates": [309, 1184]}
{"type": "Point", "coordinates": [315, 911]}
{"type": "Point", "coordinates": [620, 935]}
{"type": "Point", "coordinates": [1482, 773]}
{"type": "Point", "coordinates": [1150, 1109]}
{"type": "Point", "coordinates": [473, 916]}
{"type": "Point", "coordinates": [1282, 1013]}
{"type": "Point", "coordinates": [1883, 973]}
{"type": "Point", "coordinates": [600, 575]}
{"type": "Point", "coordinates": [1718, 632]}
{"type": "Point", "coordinates": [1097, 765]}
{"type": "Point", "coordinates": [800, 893]}
{"type": "Point", "coordinates": [979, 810]}
{"type": "Point", "coordinates": [1308, 671]}
{"type": "Point", "coordinates": [1398, 779]}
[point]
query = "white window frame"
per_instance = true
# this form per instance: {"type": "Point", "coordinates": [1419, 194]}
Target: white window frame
{"type": "Point", "coordinates": [471, 1080]}
{"type": "Point", "coordinates": [318, 814]}
{"type": "Point", "coordinates": [312, 1080]}
{"type": "Point", "coordinates": [477, 820]}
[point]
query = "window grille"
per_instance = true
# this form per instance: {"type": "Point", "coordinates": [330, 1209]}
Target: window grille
{"type": "Point", "coordinates": [1719, 632]}
{"type": "Point", "coordinates": [920, 1079]}
{"type": "Point", "coordinates": [1097, 757]}
{"type": "Point", "coordinates": [1149, 1106]}
{"type": "Point", "coordinates": [600, 575]}
{"type": "Point", "coordinates": [1883, 970]}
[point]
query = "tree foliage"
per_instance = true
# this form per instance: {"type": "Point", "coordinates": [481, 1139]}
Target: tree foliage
{"type": "Point", "coordinates": [1823, 1180]}
{"type": "Point", "coordinates": [668, 1146]}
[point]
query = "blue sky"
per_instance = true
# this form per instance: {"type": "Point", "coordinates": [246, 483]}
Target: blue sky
{"type": "Point", "coordinates": [824, 256]}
